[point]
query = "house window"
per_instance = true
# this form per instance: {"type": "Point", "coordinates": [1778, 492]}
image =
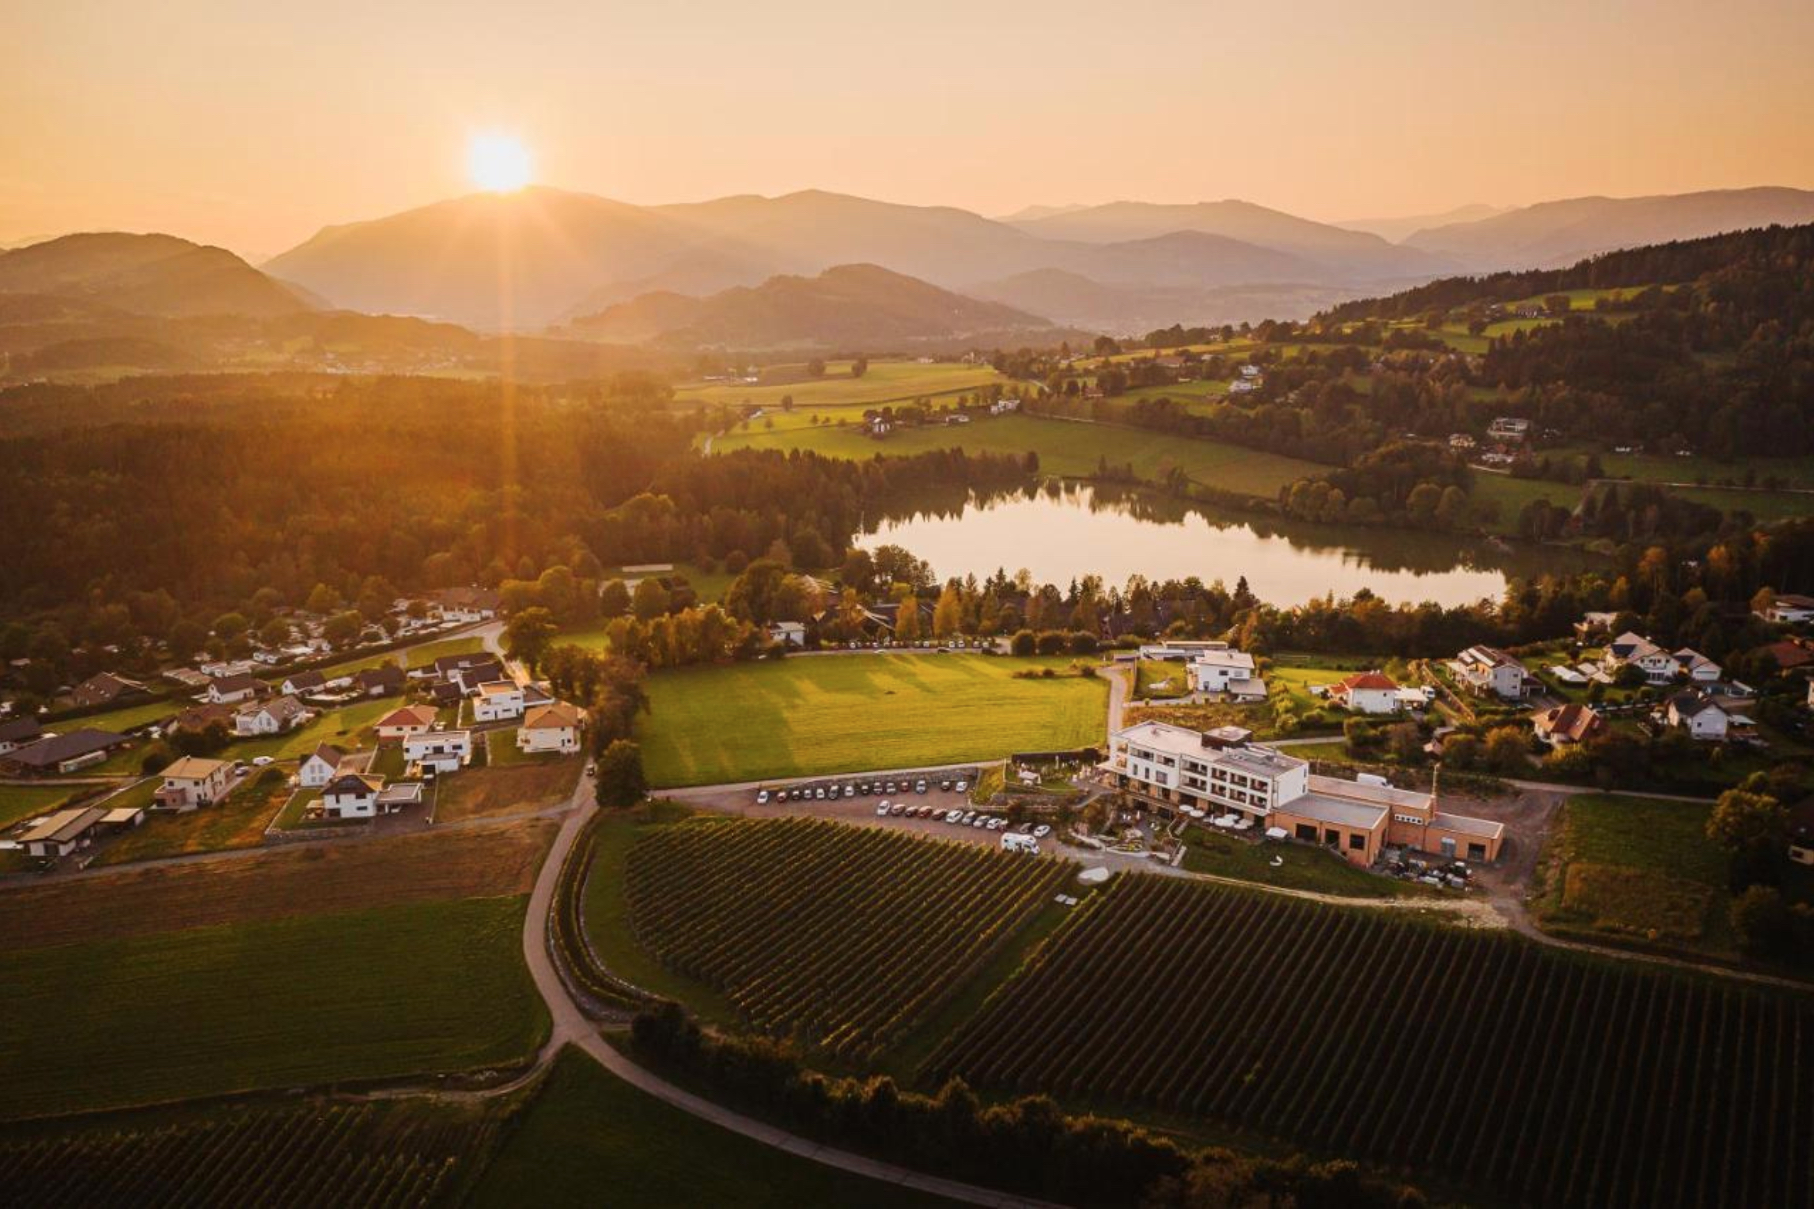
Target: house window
{"type": "Point", "coordinates": [1476, 852]}
{"type": "Point", "coordinates": [1332, 838]}
{"type": "Point", "coordinates": [1357, 841]}
{"type": "Point", "coordinates": [1306, 831]}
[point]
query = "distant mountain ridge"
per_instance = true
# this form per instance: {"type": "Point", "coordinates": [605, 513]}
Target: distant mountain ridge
{"type": "Point", "coordinates": [146, 275]}
{"type": "Point", "coordinates": [1553, 234]}
{"type": "Point", "coordinates": [845, 307]}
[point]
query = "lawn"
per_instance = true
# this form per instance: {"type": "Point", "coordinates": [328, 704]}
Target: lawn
{"type": "Point", "coordinates": [428, 653]}
{"type": "Point", "coordinates": [1509, 496]}
{"type": "Point", "coordinates": [237, 823]}
{"type": "Point", "coordinates": [125, 718]}
{"type": "Point", "coordinates": [1791, 472]}
{"type": "Point", "coordinates": [589, 1139]}
{"type": "Point", "coordinates": [340, 727]}
{"type": "Point", "coordinates": [848, 713]}
{"type": "Point", "coordinates": [1065, 447]}
{"type": "Point", "coordinates": [386, 992]}
{"type": "Point", "coordinates": [885, 382]}
{"type": "Point", "coordinates": [522, 785]}
{"type": "Point", "coordinates": [23, 802]}
{"type": "Point", "coordinates": [1642, 869]}
{"type": "Point", "coordinates": [1162, 678]}
{"type": "Point", "coordinates": [1303, 868]}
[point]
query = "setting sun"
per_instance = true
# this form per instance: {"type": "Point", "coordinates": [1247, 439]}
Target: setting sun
{"type": "Point", "coordinates": [498, 162]}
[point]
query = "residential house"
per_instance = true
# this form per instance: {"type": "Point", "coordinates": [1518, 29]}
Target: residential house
{"type": "Point", "coordinates": [224, 668]}
{"type": "Point", "coordinates": [240, 687]}
{"type": "Point", "coordinates": [470, 604]}
{"type": "Point", "coordinates": [382, 681]}
{"type": "Point", "coordinates": [66, 753]}
{"type": "Point", "coordinates": [319, 767]}
{"type": "Point", "coordinates": [1790, 609]}
{"type": "Point", "coordinates": [1367, 693]}
{"type": "Point", "coordinates": [1801, 832]}
{"type": "Point", "coordinates": [1243, 785]}
{"type": "Point", "coordinates": [17, 732]}
{"type": "Point", "coordinates": [399, 794]}
{"type": "Point", "coordinates": [469, 671]}
{"type": "Point", "coordinates": [1482, 670]}
{"type": "Point", "coordinates": [1790, 654]}
{"type": "Point", "coordinates": [1697, 713]}
{"type": "Point", "coordinates": [194, 781]}
{"type": "Point", "coordinates": [441, 751]}
{"type": "Point", "coordinates": [103, 689]}
{"type": "Point", "coordinates": [1571, 723]}
{"type": "Point", "coordinates": [551, 728]}
{"type": "Point", "coordinates": [498, 701]}
{"type": "Point", "coordinates": [300, 683]}
{"type": "Point", "coordinates": [1508, 428]}
{"type": "Point", "coordinates": [407, 721]}
{"type": "Point", "coordinates": [62, 832]}
{"type": "Point", "coordinates": [351, 796]}
{"type": "Point", "coordinates": [197, 719]}
{"type": "Point", "coordinates": [280, 714]}
{"type": "Point", "coordinates": [1658, 666]}
{"type": "Point", "coordinates": [1695, 666]}
{"type": "Point", "coordinates": [1220, 668]}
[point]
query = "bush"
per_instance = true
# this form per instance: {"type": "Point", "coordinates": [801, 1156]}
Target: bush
{"type": "Point", "coordinates": [1023, 643]}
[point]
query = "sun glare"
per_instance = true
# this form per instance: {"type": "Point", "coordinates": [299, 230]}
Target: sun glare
{"type": "Point", "coordinates": [498, 162]}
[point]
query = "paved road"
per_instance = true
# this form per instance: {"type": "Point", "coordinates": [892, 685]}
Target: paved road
{"type": "Point", "coordinates": [570, 1026]}
{"type": "Point", "coordinates": [1120, 677]}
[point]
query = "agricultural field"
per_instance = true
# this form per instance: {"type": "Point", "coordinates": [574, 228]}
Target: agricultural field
{"type": "Point", "coordinates": [1641, 870]}
{"type": "Point", "coordinates": [1065, 447]}
{"type": "Point", "coordinates": [239, 822]}
{"type": "Point", "coordinates": [589, 1139]}
{"type": "Point", "coordinates": [250, 1154]}
{"type": "Point", "coordinates": [885, 382]}
{"type": "Point", "coordinates": [389, 991]}
{"type": "Point", "coordinates": [837, 935]}
{"type": "Point", "coordinates": [846, 713]}
{"type": "Point", "coordinates": [274, 884]}
{"type": "Point", "coordinates": [507, 787]}
{"type": "Point", "coordinates": [1542, 1076]}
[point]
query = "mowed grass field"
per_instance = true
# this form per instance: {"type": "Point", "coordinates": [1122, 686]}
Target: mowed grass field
{"type": "Point", "coordinates": [846, 713]}
{"type": "Point", "coordinates": [885, 382]}
{"type": "Point", "coordinates": [388, 991]}
{"type": "Point", "coordinates": [292, 966]}
{"type": "Point", "coordinates": [1065, 447]}
{"type": "Point", "coordinates": [589, 1139]}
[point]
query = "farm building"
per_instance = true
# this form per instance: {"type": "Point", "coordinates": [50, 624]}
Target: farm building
{"type": "Point", "coordinates": [1250, 786]}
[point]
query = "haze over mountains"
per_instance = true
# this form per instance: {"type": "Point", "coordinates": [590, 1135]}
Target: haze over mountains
{"type": "Point", "coordinates": [804, 270]}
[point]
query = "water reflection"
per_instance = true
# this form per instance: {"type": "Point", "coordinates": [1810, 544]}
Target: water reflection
{"type": "Point", "coordinates": [1061, 532]}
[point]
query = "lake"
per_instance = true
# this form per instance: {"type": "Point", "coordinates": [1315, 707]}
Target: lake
{"type": "Point", "coordinates": [1060, 533]}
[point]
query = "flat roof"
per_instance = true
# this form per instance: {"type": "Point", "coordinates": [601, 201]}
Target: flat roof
{"type": "Point", "coordinates": [1390, 796]}
{"type": "Point", "coordinates": [1334, 810]}
{"type": "Point", "coordinates": [1467, 825]}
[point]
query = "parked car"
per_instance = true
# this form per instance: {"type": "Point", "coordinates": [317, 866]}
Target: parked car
{"type": "Point", "coordinates": [945, 784]}
{"type": "Point", "coordinates": [968, 817]}
{"type": "Point", "coordinates": [261, 761]}
{"type": "Point", "coordinates": [819, 793]}
{"type": "Point", "coordinates": [882, 807]}
{"type": "Point", "coordinates": [850, 791]}
{"type": "Point", "coordinates": [762, 796]}
{"type": "Point", "coordinates": [961, 786]}
{"type": "Point", "coordinates": [1042, 831]}
{"type": "Point", "coordinates": [954, 814]}
{"type": "Point", "coordinates": [919, 787]}
{"type": "Point", "coordinates": [898, 809]}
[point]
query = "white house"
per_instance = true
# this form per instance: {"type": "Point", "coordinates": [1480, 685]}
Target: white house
{"type": "Point", "coordinates": [1483, 670]}
{"type": "Point", "coordinates": [318, 767]}
{"type": "Point", "coordinates": [193, 781]}
{"type": "Point", "coordinates": [498, 701]}
{"type": "Point", "coordinates": [1699, 715]}
{"type": "Point", "coordinates": [1367, 693]}
{"type": "Point", "coordinates": [1790, 609]}
{"type": "Point", "coordinates": [227, 690]}
{"type": "Point", "coordinates": [441, 751]}
{"type": "Point", "coordinates": [1696, 667]}
{"type": "Point", "coordinates": [1657, 665]}
{"type": "Point", "coordinates": [274, 717]}
{"type": "Point", "coordinates": [300, 683]}
{"type": "Point", "coordinates": [406, 722]}
{"type": "Point", "coordinates": [1214, 669]}
{"type": "Point", "coordinates": [550, 728]}
{"type": "Point", "coordinates": [465, 604]}
{"type": "Point", "coordinates": [351, 796]}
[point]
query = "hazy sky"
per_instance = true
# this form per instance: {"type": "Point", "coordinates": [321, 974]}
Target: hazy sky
{"type": "Point", "coordinates": [253, 125]}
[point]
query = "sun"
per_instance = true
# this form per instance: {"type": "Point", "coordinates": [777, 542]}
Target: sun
{"type": "Point", "coordinates": [498, 163]}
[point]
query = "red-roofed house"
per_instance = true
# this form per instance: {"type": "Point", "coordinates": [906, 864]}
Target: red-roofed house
{"type": "Point", "coordinates": [1367, 693]}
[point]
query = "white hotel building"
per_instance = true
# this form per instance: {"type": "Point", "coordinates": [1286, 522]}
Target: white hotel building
{"type": "Point", "coordinates": [1177, 767]}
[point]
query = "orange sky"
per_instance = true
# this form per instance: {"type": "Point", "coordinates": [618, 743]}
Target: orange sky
{"type": "Point", "coordinates": [253, 129]}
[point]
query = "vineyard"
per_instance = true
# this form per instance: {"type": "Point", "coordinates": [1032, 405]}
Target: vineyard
{"type": "Point", "coordinates": [1558, 1079]}
{"type": "Point", "coordinates": [366, 1155]}
{"type": "Point", "coordinates": [839, 936]}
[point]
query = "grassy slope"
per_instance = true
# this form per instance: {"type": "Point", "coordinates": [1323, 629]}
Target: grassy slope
{"type": "Point", "coordinates": [589, 1139]}
{"type": "Point", "coordinates": [425, 987]}
{"type": "Point", "coordinates": [1305, 868]}
{"type": "Point", "coordinates": [1065, 447]}
{"type": "Point", "coordinates": [237, 823]}
{"type": "Point", "coordinates": [827, 714]}
{"type": "Point", "coordinates": [20, 802]}
{"type": "Point", "coordinates": [886, 381]}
